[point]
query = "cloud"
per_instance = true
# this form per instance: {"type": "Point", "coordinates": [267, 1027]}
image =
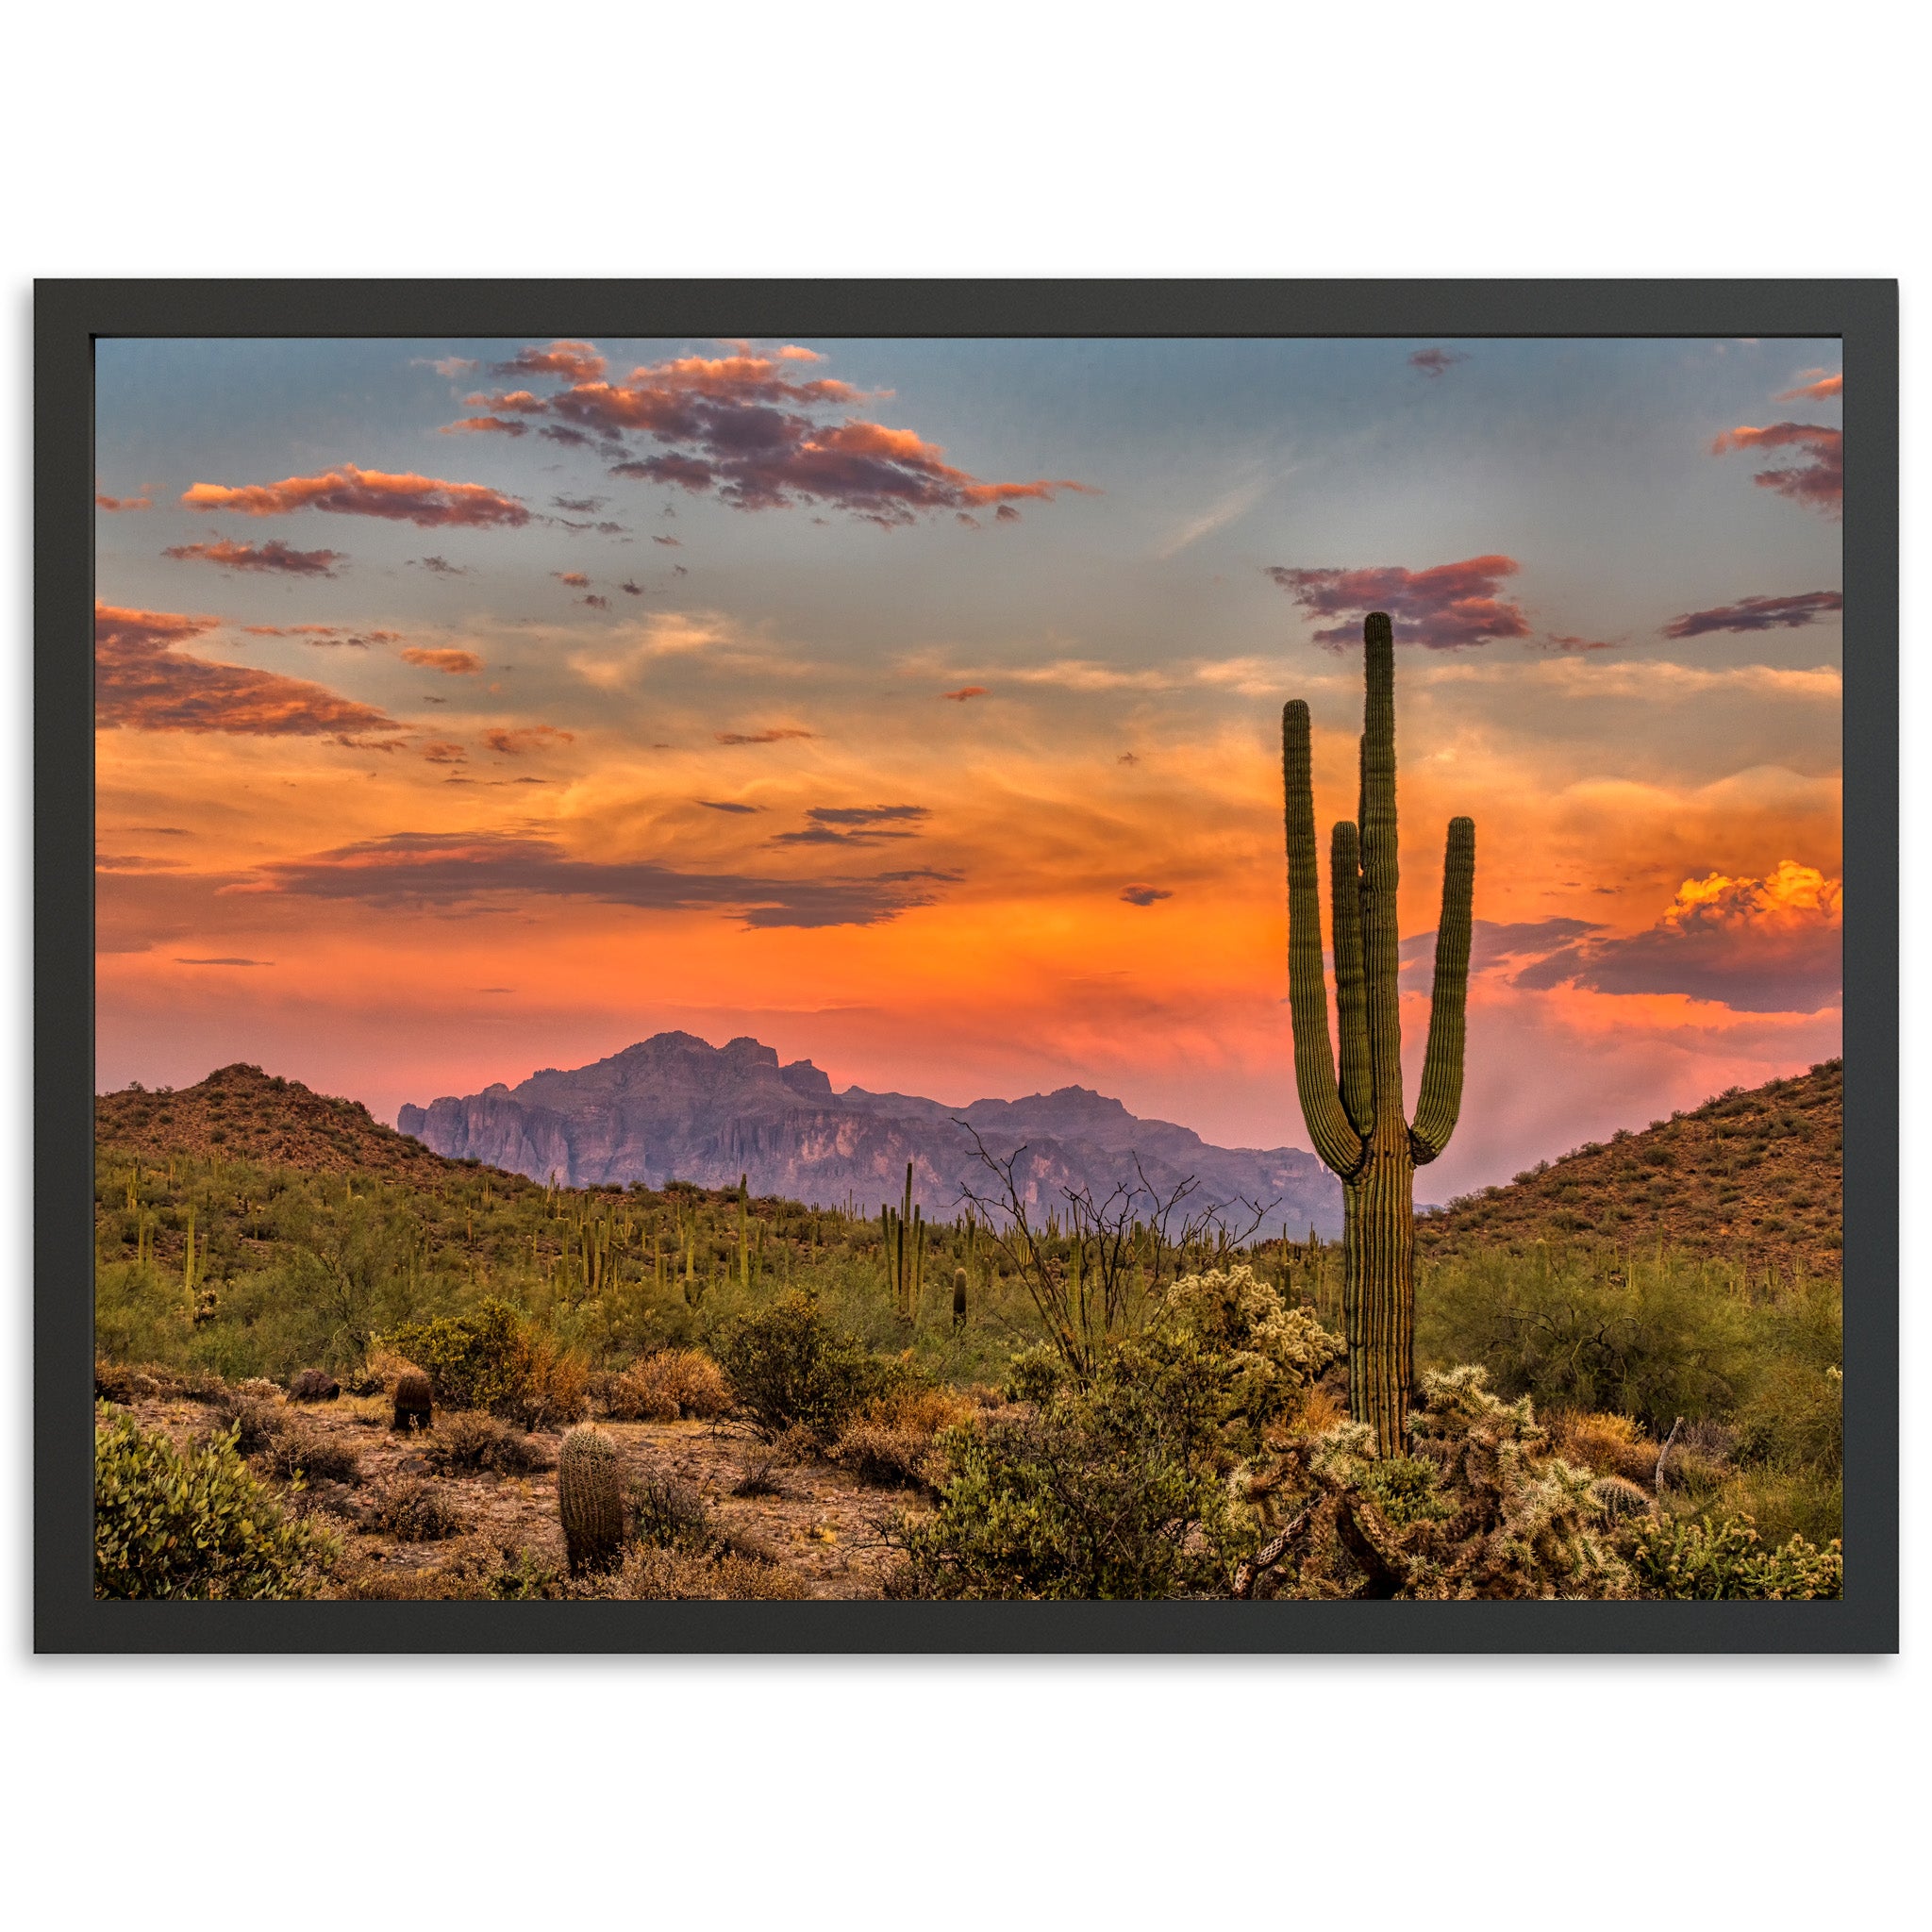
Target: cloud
{"type": "Point", "coordinates": [631, 590]}
{"type": "Point", "coordinates": [143, 683]}
{"type": "Point", "coordinates": [514, 742]}
{"type": "Point", "coordinates": [1757, 945]}
{"type": "Point", "coordinates": [439, 566]}
{"type": "Point", "coordinates": [428, 501]}
{"type": "Point", "coordinates": [596, 603]}
{"type": "Point", "coordinates": [750, 429]}
{"type": "Point", "coordinates": [1008, 514]}
{"type": "Point", "coordinates": [452, 664]}
{"type": "Point", "coordinates": [965, 692]}
{"type": "Point", "coordinates": [123, 502]}
{"type": "Point", "coordinates": [855, 824]}
{"type": "Point", "coordinates": [670, 543]}
{"type": "Point", "coordinates": [1818, 481]}
{"type": "Point", "coordinates": [1757, 613]}
{"type": "Point", "coordinates": [1233, 503]}
{"type": "Point", "coordinates": [1436, 362]}
{"type": "Point", "coordinates": [439, 752]}
{"type": "Point", "coordinates": [776, 733]}
{"type": "Point", "coordinates": [452, 871]}
{"type": "Point", "coordinates": [1444, 608]}
{"type": "Point", "coordinates": [575, 578]}
{"type": "Point", "coordinates": [484, 425]}
{"type": "Point", "coordinates": [580, 506]}
{"type": "Point", "coordinates": [451, 366]}
{"type": "Point", "coordinates": [272, 556]}
{"type": "Point", "coordinates": [1821, 390]}
{"type": "Point", "coordinates": [1494, 944]}
{"type": "Point", "coordinates": [728, 805]}
{"type": "Point", "coordinates": [326, 636]}
{"type": "Point", "coordinates": [577, 360]}
{"type": "Point", "coordinates": [1558, 641]}
{"type": "Point", "coordinates": [180, 962]}
{"type": "Point", "coordinates": [1144, 895]}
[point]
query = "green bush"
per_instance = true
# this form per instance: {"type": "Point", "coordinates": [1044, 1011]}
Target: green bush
{"type": "Point", "coordinates": [193, 1525]}
{"type": "Point", "coordinates": [791, 1369]}
{"type": "Point", "coordinates": [1710, 1562]}
{"type": "Point", "coordinates": [473, 1362]}
{"type": "Point", "coordinates": [1116, 1489]}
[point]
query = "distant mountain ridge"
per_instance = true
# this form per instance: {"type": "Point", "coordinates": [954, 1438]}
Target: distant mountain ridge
{"type": "Point", "coordinates": [673, 1107]}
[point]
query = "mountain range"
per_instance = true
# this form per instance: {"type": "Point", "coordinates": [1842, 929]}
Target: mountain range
{"type": "Point", "coordinates": [673, 1107]}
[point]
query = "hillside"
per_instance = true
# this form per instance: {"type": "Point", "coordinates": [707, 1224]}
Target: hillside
{"type": "Point", "coordinates": [1755, 1177]}
{"type": "Point", "coordinates": [675, 1107]}
{"type": "Point", "coordinates": [241, 1113]}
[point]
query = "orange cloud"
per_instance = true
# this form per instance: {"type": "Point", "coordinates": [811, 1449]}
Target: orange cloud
{"type": "Point", "coordinates": [324, 634]}
{"type": "Point", "coordinates": [452, 664]}
{"type": "Point", "coordinates": [428, 501]}
{"type": "Point", "coordinates": [484, 426]}
{"type": "Point", "coordinates": [575, 578]}
{"type": "Point", "coordinates": [1759, 945]}
{"type": "Point", "coordinates": [577, 360]}
{"type": "Point", "coordinates": [776, 735]}
{"type": "Point", "coordinates": [1821, 391]}
{"type": "Point", "coordinates": [513, 743]}
{"type": "Point", "coordinates": [143, 683]}
{"type": "Point", "coordinates": [965, 692]}
{"type": "Point", "coordinates": [1818, 482]}
{"type": "Point", "coordinates": [123, 502]}
{"type": "Point", "coordinates": [273, 555]}
{"type": "Point", "coordinates": [441, 752]}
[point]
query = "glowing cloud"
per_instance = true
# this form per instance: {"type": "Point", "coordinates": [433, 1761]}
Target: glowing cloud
{"type": "Point", "coordinates": [273, 555]}
{"type": "Point", "coordinates": [143, 683]}
{"type": "Point", "coordinates": [1818, 482]}
{"type": "Point", "coordinates": [428, 501]}
{"type": "Point", "coordinates": [452, 664]}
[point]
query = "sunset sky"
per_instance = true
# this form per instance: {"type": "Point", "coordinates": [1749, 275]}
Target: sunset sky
{"type": "Point", "coordinates": [467, 707]}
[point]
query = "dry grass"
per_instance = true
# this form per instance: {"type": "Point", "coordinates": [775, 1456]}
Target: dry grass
{"type": "Point", "coordinates": [314, 1456]}
{"type": "Point", "coordinates": [381, 1373]}
{"type": "Point", "coordinates": [415, 1511]}
{"type": "Point", "coordinates": [1606, 1444]}
{"type": "Point", "coordinates": [889, 1444]}
{"type": "Point", "coordinates": [654, 1574]}
{"type": "Point", "coordinates": [470, 1440]}
{"type": "Point", "coordinates": [673, 1385]}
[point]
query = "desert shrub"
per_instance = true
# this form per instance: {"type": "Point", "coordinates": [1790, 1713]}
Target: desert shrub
{"type": "Point", "coordinates": [380, 1372]}
{"type": "Point", "coordinates": [193, 1523]}
{"type": "Point", "coordinates": [1033, 1373]}
{"type": "Point", "coordinates": [260, 1387]}
{"type": "Point", "coordinates": [1794, 1415]}
{"type": "Point", "coordinates": [493, 1358]}
{"type": "Point", "coordinates": [652, 1573]}
{"type": "Point", "coordinates": [415, 1511]}
{"type": "Point", "coordinates": [665, 1387]}
{"type": "Point", "coordinates": [1653, 1343]}
{"type": "Point", "coordinates": [1709, 1562]}
{"type": "Point", "coordinates": [890, 1443]}
{"type": "Point", "coordinates": [121, 1383]}
{"type": "Point", "coordinates": [470, 1440]}
{"type": "Point", "coordinates": [1609, 1444]}
{"type": "Point", "coordinates": [255, 1423]}
{"type": "Point", "coordinates": [668, 1514]}
{"type": "Point", "coordinates": [789, 1368]}
{"type": "Point", "coordinates": [307, 1454]}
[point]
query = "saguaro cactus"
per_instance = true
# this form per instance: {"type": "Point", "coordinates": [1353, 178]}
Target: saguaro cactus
{"type": "Point", "coordinates": [589, 1499]}
{"type": "Point", "coordinates": [1356, 1121]}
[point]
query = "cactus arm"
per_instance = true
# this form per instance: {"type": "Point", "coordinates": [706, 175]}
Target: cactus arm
{"type": "Point", "coordinates": [1335, 1140]}
{"type": "Point", "coordinates": [1351, 993]}
{"type": "Point", "coordinates": [1381, 940]}
{"type": "Point", "coordinates": [1440, 1098]}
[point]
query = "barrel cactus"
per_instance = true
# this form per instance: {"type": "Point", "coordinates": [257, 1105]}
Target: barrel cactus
{"type": "Point", "coordinates": [959, 1297]}
{"type": "Point", "coordinates": [415, 1406]}
{"type": "Point", "coordinates": [1358, 1123]}
{"type": "Point", "coordinates": [589, 1499]}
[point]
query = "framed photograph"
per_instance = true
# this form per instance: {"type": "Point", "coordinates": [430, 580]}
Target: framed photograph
{"type": "Point", "coordinates": [966, 966]}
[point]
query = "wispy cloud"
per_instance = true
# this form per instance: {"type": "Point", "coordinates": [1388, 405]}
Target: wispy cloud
{"type": "Point", "coordinates": [1233, 503]}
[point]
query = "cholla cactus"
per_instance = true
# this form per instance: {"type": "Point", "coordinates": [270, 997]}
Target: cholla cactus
{"type": "Point", "coordinates": [1356, 1123]}
{"type": "Point", "coordinates": [589, 1499]}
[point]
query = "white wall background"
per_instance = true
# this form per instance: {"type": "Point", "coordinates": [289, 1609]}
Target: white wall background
{"type": "Point", "coordinates": [1012, 139]}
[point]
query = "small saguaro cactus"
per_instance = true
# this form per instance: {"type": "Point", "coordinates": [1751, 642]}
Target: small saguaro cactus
{"type": "Point", "coordinates": [1358, 1123]}
{"type": "Point", "coordinates": [959, 1297]}
{"type": "Point", "coordinates": [589, 1499]}
{"type": "Point", "coordinates": [415, 1407]}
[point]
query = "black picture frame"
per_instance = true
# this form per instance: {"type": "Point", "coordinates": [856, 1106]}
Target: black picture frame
{"type": "Point", "coordinates": [70, 315]}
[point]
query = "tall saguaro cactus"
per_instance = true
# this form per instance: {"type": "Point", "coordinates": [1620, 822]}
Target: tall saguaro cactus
{"type": "Point", "coordinates": [1356, 1119]}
